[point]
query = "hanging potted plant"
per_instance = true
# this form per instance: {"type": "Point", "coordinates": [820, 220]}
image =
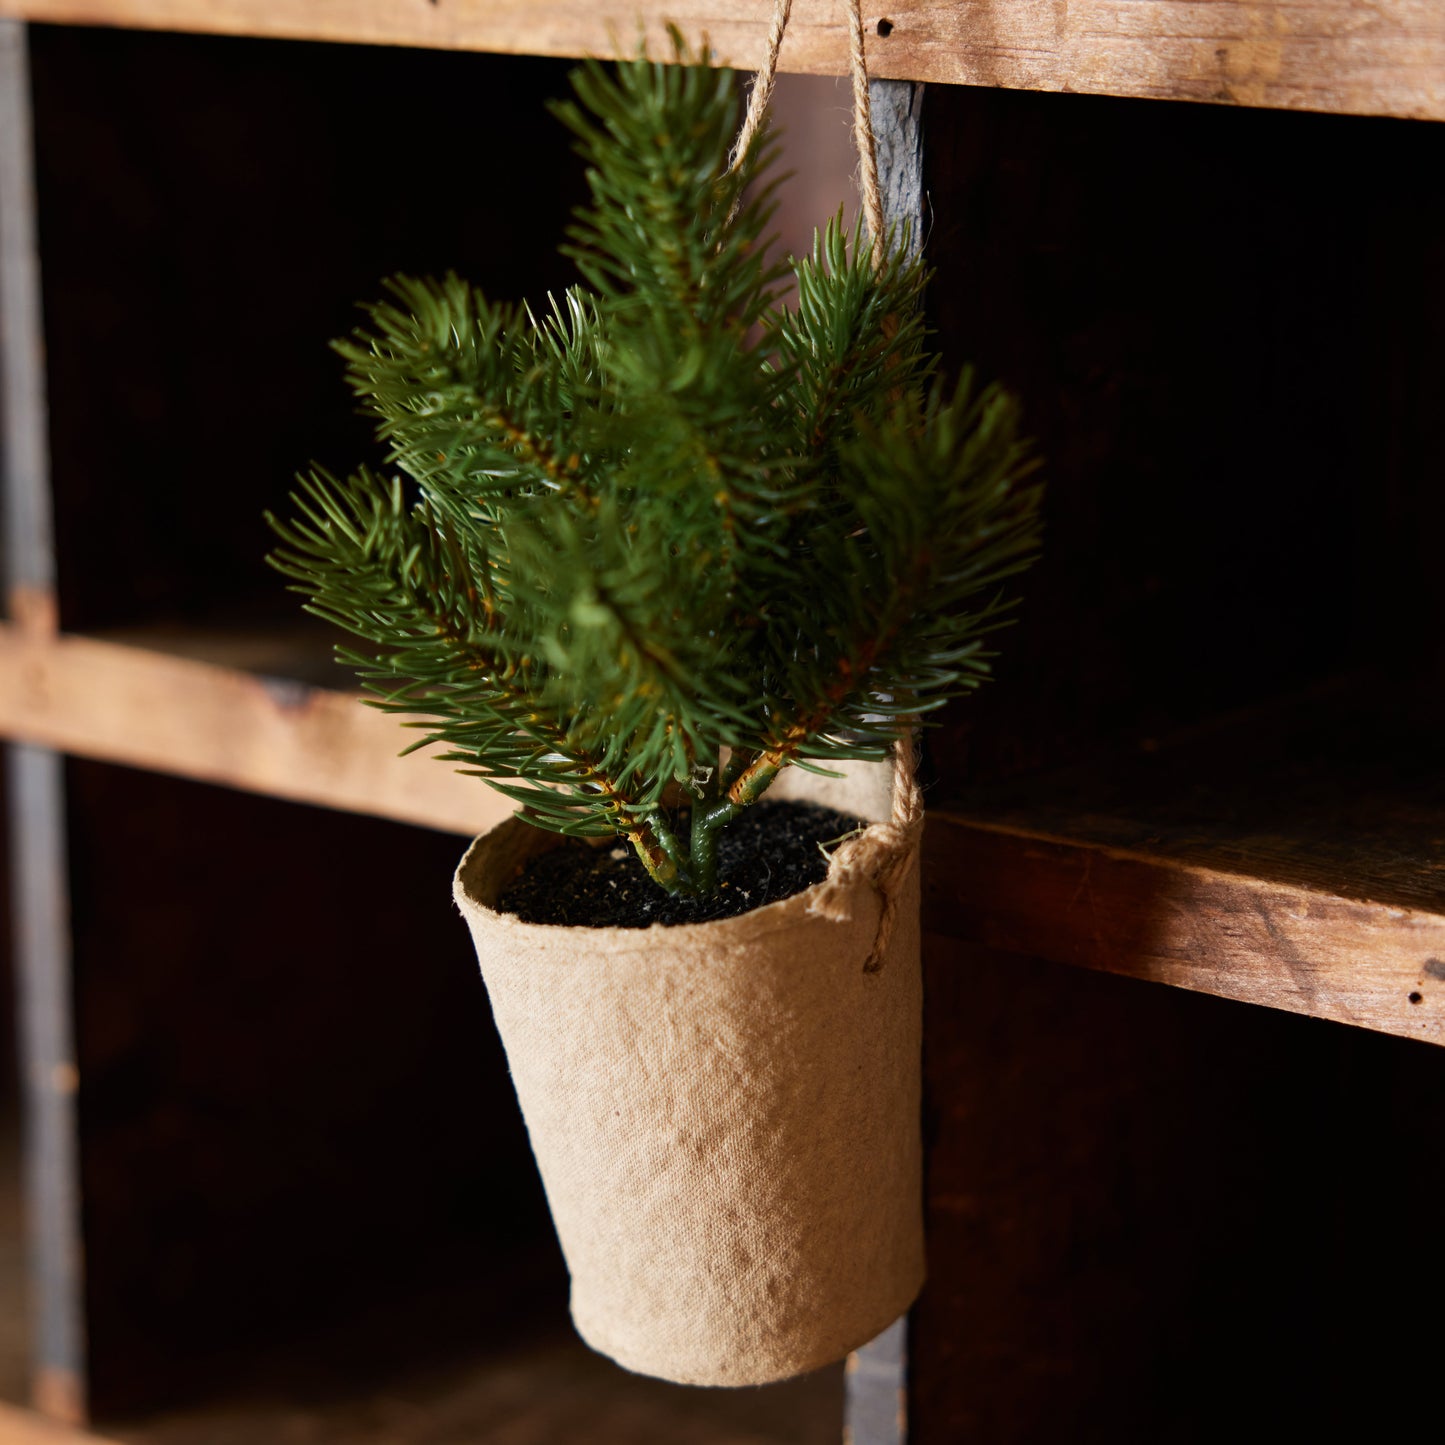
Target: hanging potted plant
{"type": "Point", "coordinates": [672, 561]}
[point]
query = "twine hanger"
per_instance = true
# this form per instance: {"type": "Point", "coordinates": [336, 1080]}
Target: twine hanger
{"type": "Point", "coordinates": [867, 147]}
{"type": "Point", "coordinates": [882, 854]}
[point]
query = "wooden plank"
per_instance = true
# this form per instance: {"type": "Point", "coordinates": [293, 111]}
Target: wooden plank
{"type": "Point", "coordinates": [1276, 941]}
{"type": "Point", "coordinates": [126, 704]}
{"type": "Point", "coordinates": [1381, 58]}
{"type": "Point", "coordinates": [20, 1427]}
{"type": "Point", "coordinates": [1336, 789]}
{"type": "Point", "coordinates": [1284, 945]}
{"type": "Point", "coordinates": [897, 109]}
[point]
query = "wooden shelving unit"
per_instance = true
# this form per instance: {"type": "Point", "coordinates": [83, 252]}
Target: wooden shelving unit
{"type": "Point", "coordinates": [227, 708]}
{"type": "Point", "coordinates": [1199, 924]}
{"type": "Point", "coordinates": [1230, 861]}
{"type": "Point", "coordinates": [1270, 832]}
{"type": "Point", "coordinates": [1330, 55]}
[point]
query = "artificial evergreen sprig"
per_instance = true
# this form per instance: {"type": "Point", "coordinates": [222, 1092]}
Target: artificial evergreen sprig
{"type": "Point", "coordinates": [669, 537]}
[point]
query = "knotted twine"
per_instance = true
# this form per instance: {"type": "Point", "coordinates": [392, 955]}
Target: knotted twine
{"type": "Point", "coordinates": [762, 92]}
{"type": "Point", "coordinates": [881, 854]}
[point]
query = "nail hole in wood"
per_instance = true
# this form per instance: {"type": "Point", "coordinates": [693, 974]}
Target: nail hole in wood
{"type": "Point", "coordinates": [1416, 998]}
{"type": "Point", "coordinates": [885, 28]}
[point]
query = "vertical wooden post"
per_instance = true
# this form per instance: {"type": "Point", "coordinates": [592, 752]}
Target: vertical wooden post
{"type": "Point", "coordinates": [875, 1410]}
{"type": "Point", "coordinates": [45, 1046]}
{"type": "Point", "coordinates": [875, 1384]}
{"type": "Point", "coordinates": [897, 107]}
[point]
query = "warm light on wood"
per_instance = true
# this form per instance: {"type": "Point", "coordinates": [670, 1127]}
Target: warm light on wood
{"type": "Point", "coordinates": [19, 1427]}
{"type": "Point", "coordinates": [218, 724]}
{"type": "Point", "coordinates": [1384, 58]}
{"type": "Point", "coordinates": [1232, 934]}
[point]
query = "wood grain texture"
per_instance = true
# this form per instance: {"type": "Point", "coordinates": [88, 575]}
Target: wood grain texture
{"type": "Point", "coordinates": [1383, 58]}
{"type": "Point", "coordinates": [897, 108]}
{"type": "Point", "coordinates": [1262, 937]}
{"type": "Point", "coordinates": [1376, 965]}
{"type": "Point", "coordinates": [126, 704]}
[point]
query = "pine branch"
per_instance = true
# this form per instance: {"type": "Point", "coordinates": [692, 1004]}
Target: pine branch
{"type": "Point", "coordinates": [467, 392]}
{"type": "Point", "coordinates": [394, 578]}
{"type": "Point", "coordinates": [666, 518]}
{"type": "Point", "coordinates": [939, 516]}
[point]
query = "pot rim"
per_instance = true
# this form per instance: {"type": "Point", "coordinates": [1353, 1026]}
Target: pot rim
{"type": "Point", "coordinates": [793, 912]}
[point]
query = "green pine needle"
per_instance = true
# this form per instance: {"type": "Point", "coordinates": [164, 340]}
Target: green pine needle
{"type": "Point", "coordinates": [663, 536]}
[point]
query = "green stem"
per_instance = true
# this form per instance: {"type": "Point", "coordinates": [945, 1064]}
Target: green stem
{"type": "Point", "coordinates": [662, 856]}
{"type": "Point", "coordinates": [707, 823]}
{"type": "Point", "coordinates": [755, 779]}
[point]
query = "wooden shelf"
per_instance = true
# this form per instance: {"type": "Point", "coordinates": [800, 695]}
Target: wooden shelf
{"type": "Point", "coordinates": [1294, 859]}
{"type": "Point", "coordinates": [253, 1086]}
{"type": "Point", "coordinates": [1386, 58]}
{"type": "Point", "coordinates": [20, 1427]}
{"type": "Point", "coordinates": [149, 699]}
{"type": "Point", "coordinates": [1212, 864]}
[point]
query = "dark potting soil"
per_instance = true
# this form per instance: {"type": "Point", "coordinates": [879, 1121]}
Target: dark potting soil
{"type": "Point", "coordinates": [769, 852]}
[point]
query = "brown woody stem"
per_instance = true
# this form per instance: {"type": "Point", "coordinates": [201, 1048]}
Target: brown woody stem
{"type": "Point", "coordinates": [655, 845]}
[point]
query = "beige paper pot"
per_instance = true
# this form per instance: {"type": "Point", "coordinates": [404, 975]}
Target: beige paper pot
{"type": "Point", "coordinates": [726, 1115]}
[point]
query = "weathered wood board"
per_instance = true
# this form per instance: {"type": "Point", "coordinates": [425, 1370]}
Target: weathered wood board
{"type": "Point", "coordinates": [1383, 58]}
{"type": "Point", "coordinates": [19, 1427]}
{"type": "Point", "coordinates": [127, 704]}
{"type": "Point", "coordinates": [1257, 939]}
{"type": "Point", "coordinates": [1222, 930]}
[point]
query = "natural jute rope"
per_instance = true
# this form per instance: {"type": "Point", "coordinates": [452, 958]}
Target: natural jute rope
{"type": "Point", "coordinates": [883, 852]}
{"type": "Point", "coordinates": [863, 135]}
{"type": "Point", "coordinates": [762, 92]}
{"type": "Point", "coordinates": [880, 855]}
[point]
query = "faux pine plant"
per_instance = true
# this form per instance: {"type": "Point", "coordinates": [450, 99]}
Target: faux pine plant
{"type": "Point", "coordinates": [643, 548]}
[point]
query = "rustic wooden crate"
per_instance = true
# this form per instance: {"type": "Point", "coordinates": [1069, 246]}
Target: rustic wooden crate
{"type": "Point", "coordinates": [1210, 764]}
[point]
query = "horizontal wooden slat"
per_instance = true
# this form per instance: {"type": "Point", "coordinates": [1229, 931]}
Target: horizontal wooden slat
{"type": "Point", "coordinates": [1273, 940]}
{"type": "Point", "coordinates": [127, 704]}
{"type": "Point", "coordinates": [1261, 941]}
{"type": "Point", "coordinates": [20, 1427]}
{"type": "Point", "coordinates": [1381, 58]}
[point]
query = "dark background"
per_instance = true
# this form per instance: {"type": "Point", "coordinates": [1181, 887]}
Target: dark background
{"type": "Point", "coordinates": [1156, 1216]}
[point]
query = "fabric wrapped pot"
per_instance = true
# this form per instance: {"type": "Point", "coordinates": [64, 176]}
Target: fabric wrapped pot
{"type": "Point", "coordinates": [726, 1114]}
